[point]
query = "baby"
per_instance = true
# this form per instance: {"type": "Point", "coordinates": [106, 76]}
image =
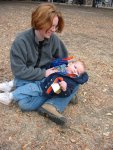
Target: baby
{"type": "Point", "coordinates": [65, 76]}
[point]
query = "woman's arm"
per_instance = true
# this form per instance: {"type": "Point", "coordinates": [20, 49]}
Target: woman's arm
{"type": "Point", "coordinates": [22, 66]}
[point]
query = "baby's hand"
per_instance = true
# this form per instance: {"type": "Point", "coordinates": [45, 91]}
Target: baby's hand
{"type": "Point", "coordinates": [63, 85]}
{"type": "Point", "coordinates": [50, 71]}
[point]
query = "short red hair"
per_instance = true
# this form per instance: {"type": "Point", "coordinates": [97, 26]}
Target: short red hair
{"type": "Point", "coordinates": [42, 17]}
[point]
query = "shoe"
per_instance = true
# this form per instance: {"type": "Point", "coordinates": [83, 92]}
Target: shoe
{"type": "Point", "coordinates": [7, 86]}
{"type": "Point", "coordinates": [50, 111]}
{"type": "Point", "coordinates": [6, 98]}
{"type": "Point", "coordinates": [74, 100]}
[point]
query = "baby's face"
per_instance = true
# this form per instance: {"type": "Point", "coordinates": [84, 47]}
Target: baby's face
{"type": "Point", "coordinates": [76, 68]}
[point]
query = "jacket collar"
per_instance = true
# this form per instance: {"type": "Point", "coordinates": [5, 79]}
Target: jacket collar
{"type": "Point", "coordinates": [46, 41]}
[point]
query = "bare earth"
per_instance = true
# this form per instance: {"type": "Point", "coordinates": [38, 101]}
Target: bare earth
{"type": "Point", "coordinates": [88, 35]}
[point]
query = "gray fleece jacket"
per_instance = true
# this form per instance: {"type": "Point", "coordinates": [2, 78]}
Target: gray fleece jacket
{"type": "Point", "coordinates": [25, 52]}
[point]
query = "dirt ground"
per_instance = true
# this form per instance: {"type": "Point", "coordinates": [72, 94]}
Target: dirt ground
{"type": "Point", "coordinates": [88, 35]}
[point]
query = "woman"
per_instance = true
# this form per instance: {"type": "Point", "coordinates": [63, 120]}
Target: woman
{"type": "Point", "coordinates": [31, 53]}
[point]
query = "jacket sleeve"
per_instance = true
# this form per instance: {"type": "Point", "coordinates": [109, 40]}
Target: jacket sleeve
{"type": "Point", "coordinates": [73, 83]}
{"type": "Point", "coordinates": [82, 79]}
{"type": "Point", "coordinates": [18, 59]}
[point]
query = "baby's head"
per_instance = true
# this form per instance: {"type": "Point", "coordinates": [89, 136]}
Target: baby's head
{"type": "Point", "coordinates": [77, 68]}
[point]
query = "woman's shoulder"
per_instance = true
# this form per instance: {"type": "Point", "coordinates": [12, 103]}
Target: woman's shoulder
{"type": "Point", "coordinates": [24, 34]}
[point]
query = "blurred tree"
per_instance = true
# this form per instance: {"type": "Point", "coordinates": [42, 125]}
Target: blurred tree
{"type": "Point", "coordinates": [93, 3]}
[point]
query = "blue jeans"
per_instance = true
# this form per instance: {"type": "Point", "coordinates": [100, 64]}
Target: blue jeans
{"type": "Point", "coordinates": [29, 96]}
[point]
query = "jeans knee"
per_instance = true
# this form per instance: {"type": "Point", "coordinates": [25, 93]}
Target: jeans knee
{"type": "Point", "coordinates": [26, 105]}
{"type": "Point", "coordinates": [23, 106]}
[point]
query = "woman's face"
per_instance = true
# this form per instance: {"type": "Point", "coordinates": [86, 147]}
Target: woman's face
{"type": "Point", "coordinates": [48, 33]}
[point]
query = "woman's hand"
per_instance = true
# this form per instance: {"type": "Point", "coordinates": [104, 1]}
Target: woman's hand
{"type": "Point", "coordinates": [50, 71]}
{"type": "Point", "coordinates": [63, 85]}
